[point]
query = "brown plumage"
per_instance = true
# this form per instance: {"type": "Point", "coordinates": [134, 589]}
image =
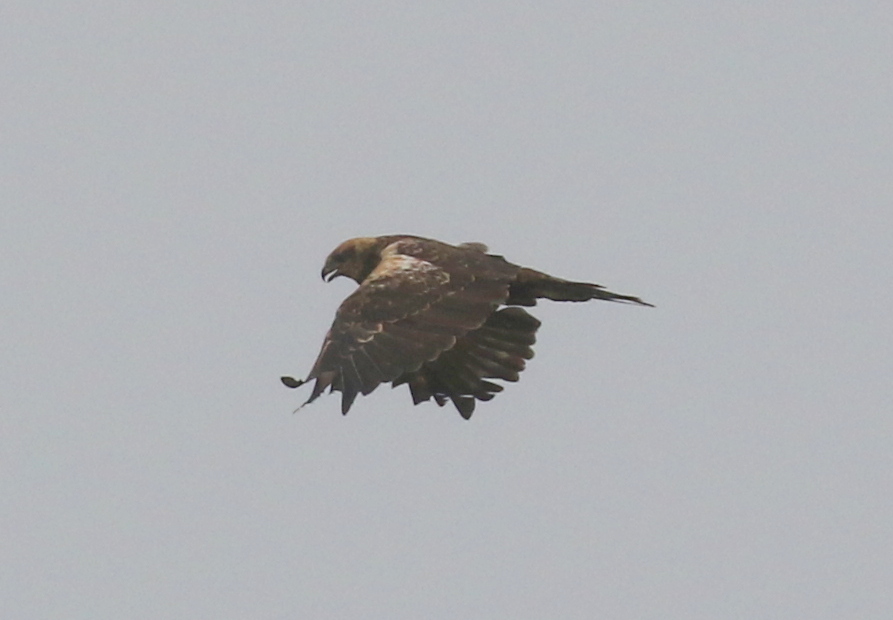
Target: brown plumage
{"type": "Point", "coordinates": [428, 314]}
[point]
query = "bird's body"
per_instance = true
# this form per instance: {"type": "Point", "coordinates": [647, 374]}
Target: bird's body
{"type": "Point", "coordinates": [429, 314]}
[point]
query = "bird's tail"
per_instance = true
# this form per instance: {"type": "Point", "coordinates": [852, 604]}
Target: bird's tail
{"type": "Point", "coordinates": [531, 285]}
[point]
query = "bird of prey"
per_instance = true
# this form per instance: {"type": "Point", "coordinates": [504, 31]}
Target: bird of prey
{"type": "Point", "coordinates": [444, 319]}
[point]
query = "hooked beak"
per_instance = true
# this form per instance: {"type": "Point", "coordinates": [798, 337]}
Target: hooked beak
{"type": "Point", "coordinates": [329, 273]}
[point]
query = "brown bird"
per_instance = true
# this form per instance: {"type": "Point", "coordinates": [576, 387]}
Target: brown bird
{"type": "Point", "coordinates": [428, 314]}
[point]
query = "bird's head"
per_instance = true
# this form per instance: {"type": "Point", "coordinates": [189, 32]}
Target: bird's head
{"type": "Point", "coordinates": [355, 258]}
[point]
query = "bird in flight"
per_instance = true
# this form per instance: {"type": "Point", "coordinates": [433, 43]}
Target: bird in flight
{"type": "Point", "coordinates": [443, 319]}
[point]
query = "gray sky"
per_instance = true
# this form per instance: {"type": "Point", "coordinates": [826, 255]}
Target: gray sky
{"type": "Point", "coordinates": [173, 175]}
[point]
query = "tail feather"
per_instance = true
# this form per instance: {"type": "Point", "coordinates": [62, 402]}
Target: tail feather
{"type": "Point", "coordinates": [531, 285]}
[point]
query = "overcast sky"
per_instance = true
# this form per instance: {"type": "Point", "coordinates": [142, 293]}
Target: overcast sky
{"type": "Point", "coordinates": [173, 174]}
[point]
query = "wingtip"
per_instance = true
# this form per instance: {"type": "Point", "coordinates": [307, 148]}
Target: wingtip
{"type": "Point", "coordinates": [465, 405]}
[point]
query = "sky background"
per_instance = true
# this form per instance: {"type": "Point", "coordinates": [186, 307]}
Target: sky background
{"type": "Point", "coordinates": [173, 174]}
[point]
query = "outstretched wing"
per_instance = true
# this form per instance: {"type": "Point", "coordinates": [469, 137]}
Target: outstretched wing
{"type": "Point", "coordinates": [498, 349]}
{"type": "Point", "coordinates": [421, 297]}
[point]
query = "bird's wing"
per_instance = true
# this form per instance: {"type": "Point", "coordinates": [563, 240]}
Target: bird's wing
{"type": "Point", "coordinates": [498, 349]}
{"type": "Point", "coordinates": [421, 297]}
